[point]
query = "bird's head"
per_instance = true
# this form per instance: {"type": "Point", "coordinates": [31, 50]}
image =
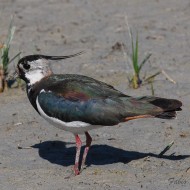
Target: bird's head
{"type": "Point", "coordinates": [33, 68]}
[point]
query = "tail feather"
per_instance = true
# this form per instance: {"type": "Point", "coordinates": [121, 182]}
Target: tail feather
{"type": "Point", "coordinates": [169, 106]}
{"type": "Point", "coordinates": [167, 115]}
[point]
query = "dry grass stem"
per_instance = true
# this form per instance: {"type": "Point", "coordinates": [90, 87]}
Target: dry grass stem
{"type": "Point", "coordinates": [168, 77]}
{"type": "Point", "coordinates": [166, 149]}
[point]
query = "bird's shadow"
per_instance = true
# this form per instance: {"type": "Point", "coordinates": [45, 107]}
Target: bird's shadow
{"type": "Point", "coordinates": [57, 153]}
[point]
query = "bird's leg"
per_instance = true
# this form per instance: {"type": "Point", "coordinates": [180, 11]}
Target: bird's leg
{"type": "Point", "coordinates": [88, 143]}
{"type": "Point", "coordinates": [78, 148]}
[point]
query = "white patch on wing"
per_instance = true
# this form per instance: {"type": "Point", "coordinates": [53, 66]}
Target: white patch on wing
{"type": "Point", "coordinates": [75, 127]}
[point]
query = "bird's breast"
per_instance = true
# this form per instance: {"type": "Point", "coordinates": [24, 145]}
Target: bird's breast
{"type": "Point", "coordinates": [75, 127]}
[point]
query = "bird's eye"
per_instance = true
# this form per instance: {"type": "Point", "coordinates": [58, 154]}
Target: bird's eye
{"type": "Point", "coordinates": [26, 66]}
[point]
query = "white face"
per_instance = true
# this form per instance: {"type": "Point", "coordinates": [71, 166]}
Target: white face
{"type": "Point", "coordinates": [34, 76]}
{"type": "Point", "coordinates": [34, 71]}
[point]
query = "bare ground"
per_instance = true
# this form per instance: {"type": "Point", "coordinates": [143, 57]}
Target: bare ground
{"type": "Point", "coordinates": [124, 156]}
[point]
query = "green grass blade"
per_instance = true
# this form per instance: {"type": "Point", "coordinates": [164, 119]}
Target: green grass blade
{"type": "Point", "coordinates": [136, 55]}
{"type": "Point", "coordinates": [152, 88]}
{"type": "Point", "coordinates": [5, 49]}
{"type": "Point", "coordinates": [150, 78]}
{"type": "Point", "coordinates": [144, 61]}
{"type": "Point", "coordinates": [5, 58]}
{"type": "Point", "coordinates": [133, 54]}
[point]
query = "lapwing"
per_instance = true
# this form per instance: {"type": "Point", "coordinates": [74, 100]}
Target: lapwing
{"type": "Point", "coordinates": [78, 103]}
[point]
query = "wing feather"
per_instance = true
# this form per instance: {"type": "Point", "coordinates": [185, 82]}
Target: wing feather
{"type": "Point", "coordinates": [79, 98]}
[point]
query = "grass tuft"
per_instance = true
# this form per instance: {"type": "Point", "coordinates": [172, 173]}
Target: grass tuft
{"type": "Point", "coordinates": [5, 59]}
{"type": "Point", "coordinates": [136, 81]}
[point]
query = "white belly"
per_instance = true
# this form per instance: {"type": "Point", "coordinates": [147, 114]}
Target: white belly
{"type": "Point", "coordinates": [75, 127]}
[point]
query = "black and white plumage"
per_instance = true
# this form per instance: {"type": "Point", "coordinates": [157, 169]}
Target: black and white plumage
{"type": "Point", "coordinates": [77, 103]}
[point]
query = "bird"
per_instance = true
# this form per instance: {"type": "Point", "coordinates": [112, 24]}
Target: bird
{"type": "Point", "coordinates": [78, 103]}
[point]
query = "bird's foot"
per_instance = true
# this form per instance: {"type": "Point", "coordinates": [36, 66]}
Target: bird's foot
{"type": "Point", "coordinates": [83, 167]}
{"type": "Point", "coordinates": [76, 169]}
{"type": "Point", "coordinates": [75, 173]}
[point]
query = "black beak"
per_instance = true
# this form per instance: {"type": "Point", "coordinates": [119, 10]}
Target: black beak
{"type": "Point", "coordinates": [12, 76]}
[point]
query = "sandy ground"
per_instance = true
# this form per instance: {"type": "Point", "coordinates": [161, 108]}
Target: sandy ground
{"type": "Point", "coordinates": [124, 156]}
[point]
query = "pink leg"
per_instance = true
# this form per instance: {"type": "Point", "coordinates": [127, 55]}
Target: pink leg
{"type": "Point", "coordinates": [78, 148]}
{"type": "Point", "coordinates": [88, 143]}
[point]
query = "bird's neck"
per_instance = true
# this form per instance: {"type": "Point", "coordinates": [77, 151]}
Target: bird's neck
{"type": "Point", "coordinates": [36, 76]}
{"type": "Point", "coordinates": [34, 89]}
